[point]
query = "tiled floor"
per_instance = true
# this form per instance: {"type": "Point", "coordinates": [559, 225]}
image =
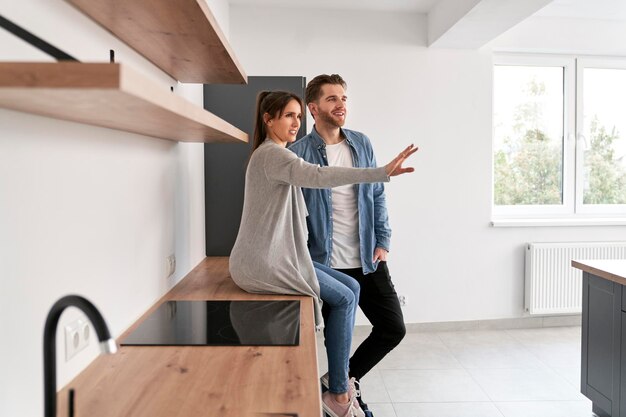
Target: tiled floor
{"type": "Point", "coordinates": [477, 373]}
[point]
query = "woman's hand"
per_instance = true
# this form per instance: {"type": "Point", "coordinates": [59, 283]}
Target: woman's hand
{"type": "Point", "coordinates": [394, 167]}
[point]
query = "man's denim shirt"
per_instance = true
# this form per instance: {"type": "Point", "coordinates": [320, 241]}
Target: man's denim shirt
{"type": "Point", "coordinates": [374, 228]}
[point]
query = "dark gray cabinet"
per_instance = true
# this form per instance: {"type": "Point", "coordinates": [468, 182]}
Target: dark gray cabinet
{"type": "Point", "coordinates": [225, 163]}
{"type": "Point", "coordinates": [603, 346]}
{"type": "Point", "coordinates": [622, 402]}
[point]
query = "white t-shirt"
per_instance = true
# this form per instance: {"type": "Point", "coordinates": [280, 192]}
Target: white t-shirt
{"type": "Point", "coordinates": [345, 217]}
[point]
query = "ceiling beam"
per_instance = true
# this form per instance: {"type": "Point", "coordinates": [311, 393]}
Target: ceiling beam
{"type": "Point", "coordinates": [470, 24]}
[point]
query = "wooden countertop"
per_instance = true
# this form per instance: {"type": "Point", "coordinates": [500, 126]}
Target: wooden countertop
{"type": "Point", "coordinates": [613, 270]}
{"type": "Point", "coordinates": [207, 381]}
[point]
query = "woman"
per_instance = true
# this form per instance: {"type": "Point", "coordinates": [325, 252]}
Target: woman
{"type": "Point", "coordinates": [270, 254]}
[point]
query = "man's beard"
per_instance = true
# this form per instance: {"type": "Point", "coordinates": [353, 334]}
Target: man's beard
{"type": "Point", "coordinates": [327, 118]}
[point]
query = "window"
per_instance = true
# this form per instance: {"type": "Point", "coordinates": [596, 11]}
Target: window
{"type": "Point", "coordinates": [603, 127]}
{"type": "Point", "coordinates": [559, 137]}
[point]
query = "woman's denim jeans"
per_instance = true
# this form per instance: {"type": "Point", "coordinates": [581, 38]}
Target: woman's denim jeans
{"type": "Point", "coordinates": [340, 293]}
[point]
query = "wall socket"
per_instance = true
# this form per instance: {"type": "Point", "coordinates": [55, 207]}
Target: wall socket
{"type": "Point", "coordinates": [170, 265]}
{"type": "Point", "coordinates": [77, 337]}
{"type": "Point", "coordinates": [402, 300]}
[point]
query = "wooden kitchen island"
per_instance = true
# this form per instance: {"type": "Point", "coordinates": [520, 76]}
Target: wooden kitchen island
{"type": "Point", "coordinates": [603, 350]}
{"type": "Point", "coordinates": [207, 381]}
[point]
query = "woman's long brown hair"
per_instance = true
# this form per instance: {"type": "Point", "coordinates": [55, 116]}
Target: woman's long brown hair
{"type": "Point", "coordinates": [272, 103]}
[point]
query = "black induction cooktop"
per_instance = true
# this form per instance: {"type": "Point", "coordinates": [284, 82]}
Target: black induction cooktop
{"type": "Point", "coordinates": [220, 323]}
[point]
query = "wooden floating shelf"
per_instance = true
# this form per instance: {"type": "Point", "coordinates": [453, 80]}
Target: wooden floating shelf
{"type": "Point", "coordinates": [181, 37]}
{"type": "Point", "coordinates": [109, 95]}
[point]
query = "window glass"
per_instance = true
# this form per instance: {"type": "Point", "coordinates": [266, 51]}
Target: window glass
{"type": "Point", "coordinates": [528, 135]}
{"type": "Point", "coordinates": [604, 121]}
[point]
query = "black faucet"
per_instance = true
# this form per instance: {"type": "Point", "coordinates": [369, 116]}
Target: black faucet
{"type": "Point", "coordinates": [107, 344]}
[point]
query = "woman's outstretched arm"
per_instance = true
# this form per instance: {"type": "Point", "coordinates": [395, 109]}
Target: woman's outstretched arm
{"type": "Point", "coordinates": [284, 166]}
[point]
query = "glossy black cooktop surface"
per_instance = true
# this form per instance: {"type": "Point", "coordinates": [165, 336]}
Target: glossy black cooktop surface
{"type": "Point", "coordinates": [220, 323]}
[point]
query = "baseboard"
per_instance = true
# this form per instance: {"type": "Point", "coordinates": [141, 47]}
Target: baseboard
{"type": "Point", "coordinates": [495, 324]}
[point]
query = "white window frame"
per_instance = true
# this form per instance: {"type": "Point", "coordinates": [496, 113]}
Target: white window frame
{"type": "Point", "coordinates": [572, 207]}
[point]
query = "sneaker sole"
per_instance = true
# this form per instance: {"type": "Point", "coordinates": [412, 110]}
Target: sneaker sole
{"type": "Point", "coordinates": [328, 411]}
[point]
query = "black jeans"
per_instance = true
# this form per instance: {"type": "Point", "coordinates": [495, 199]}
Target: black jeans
{"type": "Point", "coordinates": [379, 302]}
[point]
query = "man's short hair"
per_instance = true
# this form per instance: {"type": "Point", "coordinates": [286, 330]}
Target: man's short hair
{"type": "Point", "coordinates": [314, 87]}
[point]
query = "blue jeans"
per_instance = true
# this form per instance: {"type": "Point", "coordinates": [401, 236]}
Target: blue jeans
{"type": "Point", "coordinates": [340, 293]}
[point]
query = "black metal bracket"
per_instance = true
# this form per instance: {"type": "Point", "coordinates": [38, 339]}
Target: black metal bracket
{"type": "Point", "coordinates": [35, 41]}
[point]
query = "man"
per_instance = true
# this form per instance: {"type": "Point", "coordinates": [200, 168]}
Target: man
{"type": "Point", "coordinates": [348, 226]}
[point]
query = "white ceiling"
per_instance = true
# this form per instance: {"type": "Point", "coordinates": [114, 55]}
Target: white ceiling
{"type": "Point", "coordinates": [418, 6]}
{"type": "Point", "coordinates": [466, 24]}
{"type": "Point", "coordinates": [587, 9]}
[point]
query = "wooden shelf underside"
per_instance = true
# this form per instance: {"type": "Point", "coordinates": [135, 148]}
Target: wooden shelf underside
{"type": "Point", "coordinates": [109, 95]}
{"type": "Point", "coordinates": [181, 37]}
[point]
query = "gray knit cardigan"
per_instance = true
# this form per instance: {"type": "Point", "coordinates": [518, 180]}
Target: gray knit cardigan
{"type": "Point", "coordinates": [270, 255]}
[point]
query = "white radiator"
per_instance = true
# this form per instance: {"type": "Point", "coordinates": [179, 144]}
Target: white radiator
{"type": "Point", "coordinates": [552, 285]}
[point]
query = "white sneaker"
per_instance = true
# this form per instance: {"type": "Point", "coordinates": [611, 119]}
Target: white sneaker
{"type": "Point", "coordinates": [335, 409]}
{"type": "Point", "coordinates": [356, 409]}
{"type": "Point", "coordinates": [354, 393]}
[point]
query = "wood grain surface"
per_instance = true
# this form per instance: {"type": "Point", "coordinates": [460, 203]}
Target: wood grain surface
{"type": "Point", "coordinates": [611, 269]}
{"type": "Point", "coordinates": [109, 95]}
{"type": "Point", "coordinates": [207, 381]}
{"type": "Point", "coordinates": [181, 37]}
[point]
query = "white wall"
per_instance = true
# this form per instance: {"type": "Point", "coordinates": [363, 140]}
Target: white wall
{"type": "Point", "coordinates": [85, 210]}
{"type": "Point", "coordinates": [565, 36]}
{"type": "Point", "coordinates": [445, 257]}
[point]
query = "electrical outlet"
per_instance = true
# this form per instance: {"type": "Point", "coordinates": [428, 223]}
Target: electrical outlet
{"type": "Point", "coordinates": [402, 300]}
{"type": "Point", "coordinates": [170, 265]}
{"type": "Point", "coordinates": [77, 336]}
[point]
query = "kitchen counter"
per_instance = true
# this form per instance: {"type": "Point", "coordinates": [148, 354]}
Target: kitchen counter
{"type": "Point", "coordinates": [603, 344]}
{"type": "Point", "coordinates": [207, 381]}
{"type": "Point", "coordinates": [611, 269]}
